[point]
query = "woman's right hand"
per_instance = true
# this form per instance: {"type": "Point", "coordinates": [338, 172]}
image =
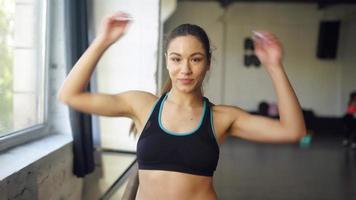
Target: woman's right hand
{"type": "Point", "coordinates": [113, 27]}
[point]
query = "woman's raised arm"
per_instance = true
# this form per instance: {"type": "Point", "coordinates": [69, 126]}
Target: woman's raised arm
{"type": "Point", "coordinates": [290, 127]}
{"type": "Point", "coordinates": [73, 91]}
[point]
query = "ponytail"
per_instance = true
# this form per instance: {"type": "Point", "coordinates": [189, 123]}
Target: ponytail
{"type": "Point", "coordinates": [167, 86]}
{"type": "Point", "coordinates": [133, 130]}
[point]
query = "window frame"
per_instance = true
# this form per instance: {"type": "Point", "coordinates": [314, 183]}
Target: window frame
{"type": "Point", "coordinates": [37, 131]}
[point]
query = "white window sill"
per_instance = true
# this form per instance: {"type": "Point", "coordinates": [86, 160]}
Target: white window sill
{"type": "Point", "coordinates": [15, 159]}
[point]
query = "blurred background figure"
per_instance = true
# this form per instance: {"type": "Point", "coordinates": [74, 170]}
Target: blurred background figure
{"type": "Point", "coordinates": [263, 108]}
{"type": "Point", "coordinates": [350, 122]}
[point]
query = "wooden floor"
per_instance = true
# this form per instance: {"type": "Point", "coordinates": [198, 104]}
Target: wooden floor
{"type": "Point", "coordinates": [253, 171]}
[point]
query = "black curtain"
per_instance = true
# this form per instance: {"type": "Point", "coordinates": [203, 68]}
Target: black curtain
{"type": "Point", "coordinates": [76, 26]}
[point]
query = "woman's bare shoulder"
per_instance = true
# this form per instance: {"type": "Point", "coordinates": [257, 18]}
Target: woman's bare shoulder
{"type": "Point", "coordinates": [142, 95]}
{"type": "Point", "coordinates": [227, 113]}
{"type": "Point", "coordinates": [140, 99]}
{"type": "Point", "coordinates": [224, 116]}
{"type": "Point", "coordinates": [225, 109]}
{"type": "Point", "coordinates": [141, 102]}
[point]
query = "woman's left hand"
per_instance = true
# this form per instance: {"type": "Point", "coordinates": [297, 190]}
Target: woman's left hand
{"type": "Point", "coordinates": [268, 49]}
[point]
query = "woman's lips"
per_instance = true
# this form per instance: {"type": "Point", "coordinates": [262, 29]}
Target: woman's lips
{"type": "Point", "coordinates": [186, 80]}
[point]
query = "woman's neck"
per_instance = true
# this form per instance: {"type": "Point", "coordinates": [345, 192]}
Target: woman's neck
{"type": "Point", "coordinates": [193, 99]}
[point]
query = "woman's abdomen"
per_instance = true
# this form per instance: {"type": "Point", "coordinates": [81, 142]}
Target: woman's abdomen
{"type": "Point", "coordinates": [157, 184]}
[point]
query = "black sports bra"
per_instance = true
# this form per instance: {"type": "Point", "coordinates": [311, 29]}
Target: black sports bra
{"type": "Point", "coordinates": [195, 152]}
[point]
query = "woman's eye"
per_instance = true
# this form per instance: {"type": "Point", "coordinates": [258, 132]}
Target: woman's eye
{"type": "Point", "coordinates": [175, 59]}
{"type": "Point", "coordinates": [197, 59]}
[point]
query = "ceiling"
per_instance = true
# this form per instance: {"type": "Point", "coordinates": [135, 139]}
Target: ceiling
{"type": "Point", "coordinates": [321, 3]}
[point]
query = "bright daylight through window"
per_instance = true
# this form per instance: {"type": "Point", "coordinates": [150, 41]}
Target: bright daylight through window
{"type": "Point", "coordinates": [22, 66]}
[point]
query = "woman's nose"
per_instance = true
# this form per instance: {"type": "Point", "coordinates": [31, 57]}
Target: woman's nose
{"type": "Point", "coordinates": [186, 68]}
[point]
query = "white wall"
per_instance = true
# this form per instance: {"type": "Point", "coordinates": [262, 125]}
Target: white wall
{"type": "Point", "coordinates": [347, 57]}
{"type": "Point", "coordinates": [130, 64]}
{"type": "Point", "coordinates": [321, 85]}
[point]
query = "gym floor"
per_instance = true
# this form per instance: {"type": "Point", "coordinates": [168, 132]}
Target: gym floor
{"type": "Point", "coordinates": [323, 170]}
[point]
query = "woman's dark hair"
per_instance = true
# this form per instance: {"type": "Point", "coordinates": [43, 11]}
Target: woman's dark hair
{"type": "Point", "coordinates": [193, 30]}
{"type": "Point", "coordinates": [184, 30]}
{"type": "Point", "coordinates": [352, 97]}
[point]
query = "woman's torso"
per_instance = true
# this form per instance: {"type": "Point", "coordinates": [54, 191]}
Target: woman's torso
{"type": "Point", "coordinates": [163, 184]}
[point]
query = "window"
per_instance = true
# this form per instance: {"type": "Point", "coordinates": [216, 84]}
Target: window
{"type": "Point", "coordinates": [22, 69]}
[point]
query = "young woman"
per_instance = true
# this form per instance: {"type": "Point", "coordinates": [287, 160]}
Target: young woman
{"type": "Point", "coordinates": [181, 130]}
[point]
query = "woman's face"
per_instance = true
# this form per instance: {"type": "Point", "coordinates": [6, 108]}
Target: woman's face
{"type": "Point", "coordinates": [187, 63]}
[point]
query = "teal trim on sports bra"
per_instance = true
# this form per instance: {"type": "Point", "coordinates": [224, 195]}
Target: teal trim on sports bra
{"type": "Point", "coordinates": [180, 133]}
{"type": "Point", "coordinates": [152, 109]}
{"type": "Point", "coordinates": [150, 113]}
{"type": "Point", "coordinates": [212, 125]}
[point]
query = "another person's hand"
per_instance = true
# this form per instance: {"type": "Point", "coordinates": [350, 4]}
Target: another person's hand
{"type": "Point", "coordinates": [113, 27]}
{"type": "Point", "coordinates": [268, 49]}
